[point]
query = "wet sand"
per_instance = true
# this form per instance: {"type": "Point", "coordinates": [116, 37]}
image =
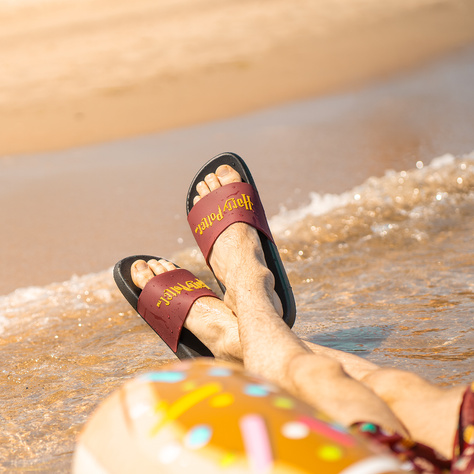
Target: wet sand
{"type": "Point", "coordinates": [396, 99]}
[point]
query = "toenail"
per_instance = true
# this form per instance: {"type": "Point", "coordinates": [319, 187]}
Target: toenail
{"type": "Point", "coordinates": [222, 171]}
{"type": "Point", "coordinates": [141, 265]}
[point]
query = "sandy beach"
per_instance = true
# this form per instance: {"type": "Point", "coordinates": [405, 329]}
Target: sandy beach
{"type": "Point", "coordinates": [74, 73]}
{"type": "Point", "coordinates": [81, 82]}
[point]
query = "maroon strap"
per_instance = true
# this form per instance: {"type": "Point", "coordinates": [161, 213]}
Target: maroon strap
{"type": "Point", "coordinates": [235, 202]}
{"type": "Point", "coordinates": [166, 299]}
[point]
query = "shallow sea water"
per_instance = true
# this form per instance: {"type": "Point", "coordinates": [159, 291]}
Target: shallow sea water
{"type": "Point", "coordinates": [385, 271]}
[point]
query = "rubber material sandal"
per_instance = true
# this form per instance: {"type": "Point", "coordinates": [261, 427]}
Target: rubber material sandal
{"type": "Point", "coordinates": [164, 304]}
{"type": "Point", "coordinates": [236, 202]}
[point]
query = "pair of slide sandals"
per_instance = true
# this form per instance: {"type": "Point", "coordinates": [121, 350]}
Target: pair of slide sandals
{"type": "Point", "coordinates": [167, 298]}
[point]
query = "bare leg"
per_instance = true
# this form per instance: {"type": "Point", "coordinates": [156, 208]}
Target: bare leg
{"type": "Point", "coordinates": [273, 351]}
{"type": "Point", "coordinates": [412, 399]}
{"type": "Point", "coordinates": [429, 412]}
{"type": "Point", "coordinates": [344, 386]}
{"type": "Point", "coordinates": [269, 347]}
{"type": "Point", "coordinates": [216, 326]}
{"type": "Point", "coordinates": [354, 365]}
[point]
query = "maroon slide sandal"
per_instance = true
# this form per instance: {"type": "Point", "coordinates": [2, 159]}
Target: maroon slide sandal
{"type": "Point", "coordinates": [236, 202]}
{"type": "Point", "coordinates": [164, 304]}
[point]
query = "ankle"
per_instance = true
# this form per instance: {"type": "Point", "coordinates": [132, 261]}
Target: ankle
{"type": "Point", "coordinates": [257, 282]}
{"type": "Point", "coordinates": [238, 247]}
{"type": "Point", "coordinates": [229, 346]}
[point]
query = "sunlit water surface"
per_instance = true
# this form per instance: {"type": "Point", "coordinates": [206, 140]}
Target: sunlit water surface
{"type": "Point", "coordinates": [384, 271]}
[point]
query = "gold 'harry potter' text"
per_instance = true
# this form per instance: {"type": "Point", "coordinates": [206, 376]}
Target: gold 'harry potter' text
{"type": "Point", "coordinates": [243, 202]}
{"type": "Point", "coordinates": [175, 290]}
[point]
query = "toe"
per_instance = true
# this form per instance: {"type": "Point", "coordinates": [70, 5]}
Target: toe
{"type": "Point", "coordinates": [202, 188]}
{"type": "Point", "coordinates": [168, 266]}
{"type": "Point", "coordinates": [226, 175]}
{"type": "Point", "coordinates": [141, 273]}
{"type": "Point", "coordinates": [161, 266]}
{"type": "Point", "coordinates": [212, 181]}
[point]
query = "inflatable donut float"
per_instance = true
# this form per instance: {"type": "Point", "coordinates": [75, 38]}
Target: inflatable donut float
{"type": "Point", "coordinates": [205, 416]}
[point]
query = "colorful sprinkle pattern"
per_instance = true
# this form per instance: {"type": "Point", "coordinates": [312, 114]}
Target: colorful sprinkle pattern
{"type": "Point", "coordinates": [198, 436]}
{"type": "Point", "coordinates": [257, 442]}
{"type": "Point", "coordinates": [216, 411]}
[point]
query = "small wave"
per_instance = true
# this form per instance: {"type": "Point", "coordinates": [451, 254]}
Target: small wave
{"type": "Point", "coordinates": [406, 205]}
{"type": "Point", "coordinates": [320, 204]}
{"type": "Point", "coordinates": [45, 302]}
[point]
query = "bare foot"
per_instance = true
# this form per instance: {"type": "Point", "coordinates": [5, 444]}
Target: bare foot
{"type": "Point", "coordinates": [209, 319]}
{"type": "Point", "coordinates": [237, 257]}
